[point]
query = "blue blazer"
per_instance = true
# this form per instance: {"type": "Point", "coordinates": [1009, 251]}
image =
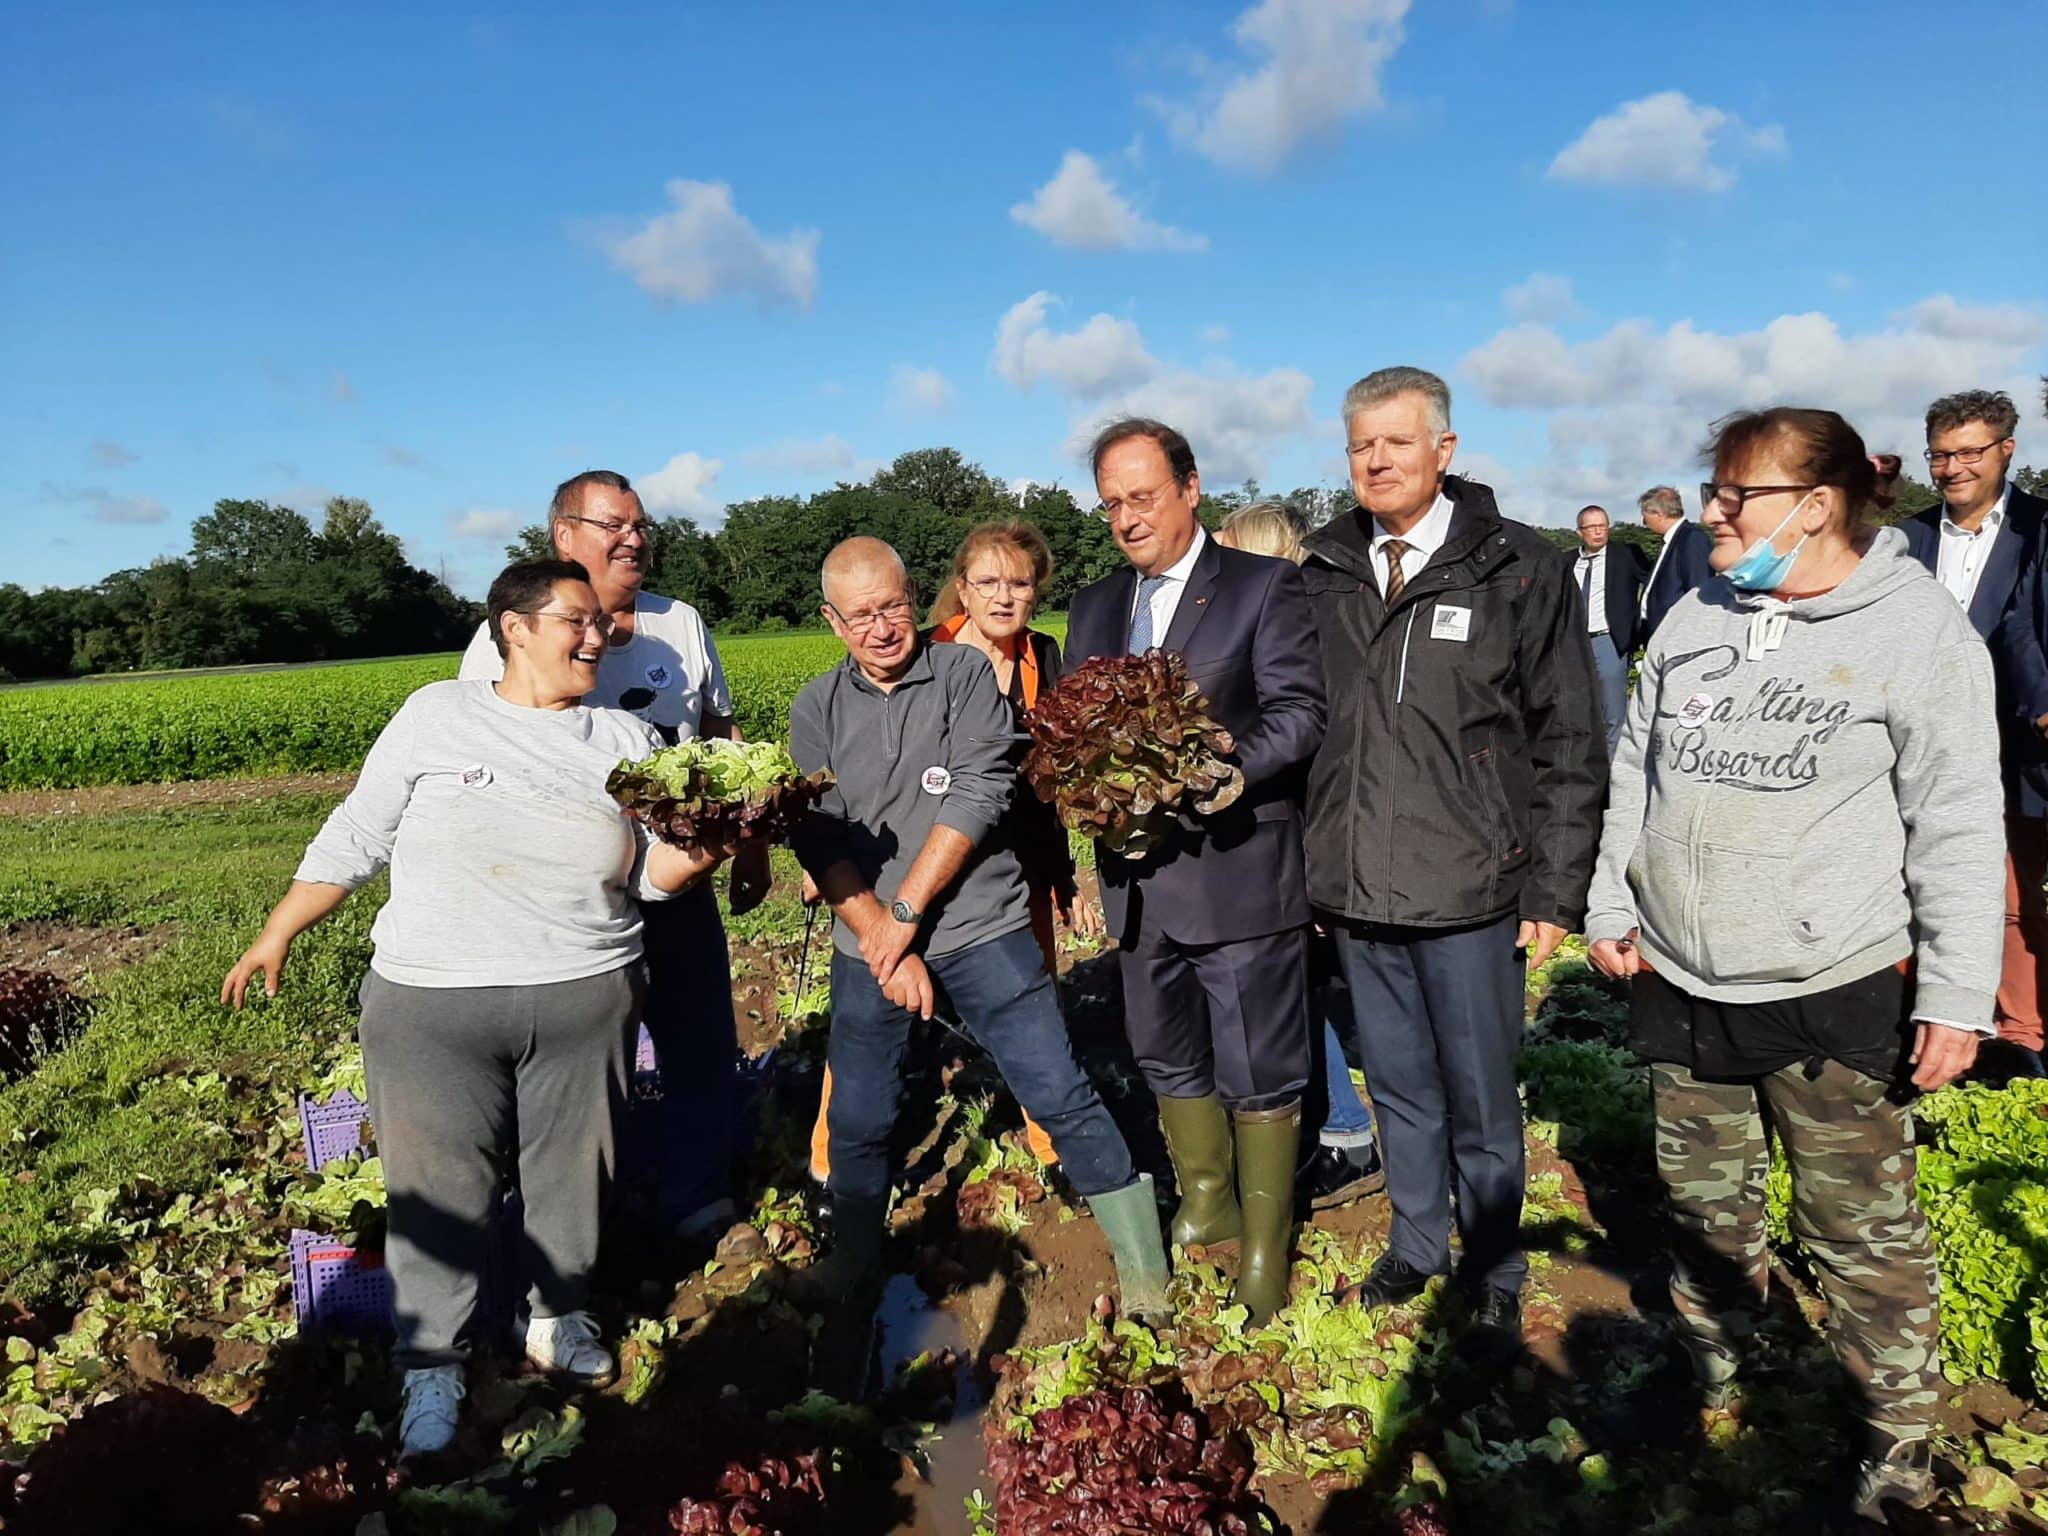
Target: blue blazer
{"type": "Point", "coordinates": [2010, 610]}
{"type": "Point", "coordinates": [1248, 636]}
{"type": "Point", "coordinates": [1684, 566]}
{"type": "Point", "coordinates": [2015, 539]}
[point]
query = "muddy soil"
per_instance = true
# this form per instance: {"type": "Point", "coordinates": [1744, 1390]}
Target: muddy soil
{"type": "Point", "coordinates": [111, 799]}
{"type": "Point", "coordinates": [72, 954]}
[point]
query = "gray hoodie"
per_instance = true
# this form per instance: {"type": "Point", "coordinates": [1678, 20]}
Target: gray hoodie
{"type": "Point", "coordinates": [1808, 792]}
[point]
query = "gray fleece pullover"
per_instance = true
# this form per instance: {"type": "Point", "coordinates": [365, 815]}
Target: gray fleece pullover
{"type": "Point", "coordinates": [1808, 792]}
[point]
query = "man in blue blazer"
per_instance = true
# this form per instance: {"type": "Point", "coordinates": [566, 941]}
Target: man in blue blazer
{"type": "Point", "coordinates": [1681, 562]}
{"type": "Point", "coordinates": [1213, 928]}
{"type": "Point", "coordinates": [1983, 544]}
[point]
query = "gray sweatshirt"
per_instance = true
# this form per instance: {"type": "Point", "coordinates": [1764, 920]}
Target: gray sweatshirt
{"type": "Point", "coordinates": [1808, 792]}
{"type": "Point", "coordinates": [510, 865]}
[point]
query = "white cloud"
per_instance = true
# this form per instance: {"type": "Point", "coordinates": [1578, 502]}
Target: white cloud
{"type": "Point", "coordinates": [130, 509]}
{"type": "Point", "coordinates": [913, 389]}
{"type": "Point", "coordinates": [1665, 140]}
{"type": "Point", "coordinates": [1215, 335]}
{"type": "Point", "coordinates": [808, 456]}
{"type": "Point", "coordinates": [1103, 370]}
{"type": "Point", "coordinates": [1541, 298]}
{"type": "Point", "coordinates": [687, 484]}
{"type": "Point", "coordinates": [484, 523]}
{"type": "Point", "coordinates": [704, 248]}
{"type": "Point", "coordinates": [1080, 208]}
{"type": "Point", "coordinates": [1633, 405]}
{"type": "Point", "coordinates": [1305, 66]}
{"type": "Point", "coordinates": [109, 455]}
{"type": "Point", "coordinates": [1104, 354]}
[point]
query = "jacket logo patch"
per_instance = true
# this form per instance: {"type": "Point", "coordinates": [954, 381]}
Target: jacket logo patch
{"type": "Point", "coordinates": [1451, 624]}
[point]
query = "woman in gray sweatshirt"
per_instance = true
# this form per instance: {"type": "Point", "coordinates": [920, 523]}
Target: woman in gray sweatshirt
{"type": "Point", "coordinates": [1801, 869]}
{"type": "Point", "coordinates": [505, 986]}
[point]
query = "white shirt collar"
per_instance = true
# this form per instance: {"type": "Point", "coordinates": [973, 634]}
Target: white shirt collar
{"type": "Point", "coordinates": [1427, 536]}
{"type": "Point", "coordinates": [1185, 565]}
{"type": "Point", "coordinates": [1991, 519]}
{"type": "Point", "coordinates": [1668, 532]}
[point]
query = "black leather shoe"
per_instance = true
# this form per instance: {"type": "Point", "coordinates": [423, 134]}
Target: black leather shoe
{"type": "Point", "coordinates": [1338, 1175]}
{"type": "Point", "coordinates": [1494, 1335]}
{"type": "Point", "coordinates": [1389, 1283]}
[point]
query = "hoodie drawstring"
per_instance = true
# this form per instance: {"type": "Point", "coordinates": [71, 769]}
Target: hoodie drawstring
{"type": "Point", "coordinates": [1766, 631]}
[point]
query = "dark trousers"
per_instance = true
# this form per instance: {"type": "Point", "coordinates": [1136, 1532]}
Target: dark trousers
{"type": "Point", "coordinates": [1229, 1019]}
{"type": "Point", "coordinates": [1005, 998]}
{"type": "Point", "coordinates": [467, 1083]}
{"type": "Point", "coordinates": [1439, 1017]}
{"type": "Point", "coordinates": [1612, 667]}
{"type": "Point", "coordinates": [696, 1048]}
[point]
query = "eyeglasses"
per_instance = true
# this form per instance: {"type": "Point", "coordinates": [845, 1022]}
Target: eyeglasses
{"type": "Point", "coordinates": [884, 618]}
{"type": "Point", "coordinates": [1733, 497]}
{"type": "Point", "coordinates": [1967, 457]}
{"type": "Point", "coordinates": [988, 586]}
{"type": "Point", "coordinates": [612, 530]}
{"type": "Point", "coordinates": [1140, 502]}
{"type": "Point", "coordinates": [583, 623]}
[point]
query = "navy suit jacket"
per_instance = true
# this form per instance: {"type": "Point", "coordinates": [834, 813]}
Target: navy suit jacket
{"type": "Point", "coordinates": [2010, 610]}
{"type": "Point", "coordinates": [1624, 591]}
{"type": "Point", "coordinates": [1248, 636]}
{"type": "Point", "coordinates": [1684, 566]}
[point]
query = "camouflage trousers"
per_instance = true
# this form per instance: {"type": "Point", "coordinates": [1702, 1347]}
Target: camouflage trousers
{"type": "Point", "coordinates": [1854, 1208]}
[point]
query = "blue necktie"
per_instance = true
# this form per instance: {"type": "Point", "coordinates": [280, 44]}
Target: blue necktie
{"type": "Point", "coordinates": [1141, 616]}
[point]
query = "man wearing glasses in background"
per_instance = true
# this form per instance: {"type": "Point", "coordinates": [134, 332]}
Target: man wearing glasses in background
{"type": "Point", "coordinates": [662, 666]}
{"type": "Point", "coordinates": [1983, 544]}
{"type": "Point", "coordinates": [1213, 928]}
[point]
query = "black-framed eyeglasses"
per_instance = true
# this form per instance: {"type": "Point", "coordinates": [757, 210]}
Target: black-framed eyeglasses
{"type": "Point", "coordinates": [1734, 497]}
{"type": "Point", "coordinates": [612, 530]}
{"type": "Point", "coordinates": [1967, 457]}
{"type": "Point", "coordinates": [886, 617]}
{"type": "Point", "coordinates": [582, 622]}
{"type": "Point", "coordinates": [987, 587]}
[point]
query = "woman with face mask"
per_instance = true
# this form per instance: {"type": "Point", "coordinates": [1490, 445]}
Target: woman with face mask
{"type": "Point", "coordinates": [1801, 871]}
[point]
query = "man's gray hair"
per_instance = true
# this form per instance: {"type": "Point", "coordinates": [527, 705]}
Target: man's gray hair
{"type": "Point", "coordinates": [1389, 382]}
{"type": "Point", "coordinates": [1993, 407]}
{"type": "Point", "coordinates": [861, 553]}
{"type": "Point", "coordinates": [1662, 500]}
{"type": "Point", "coordinates": [568, 502]}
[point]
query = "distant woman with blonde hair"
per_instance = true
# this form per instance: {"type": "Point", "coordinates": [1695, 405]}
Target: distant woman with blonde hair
{"type": "Point", "coordinates": [1347, 1159]}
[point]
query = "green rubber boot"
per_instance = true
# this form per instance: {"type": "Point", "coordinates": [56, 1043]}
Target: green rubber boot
{"type": "Point", "coordinates": [1129, 1218]}
{"type": "Point", "coordinates": [1267, 1140]}
{"type": "Point", "coordinates": [1198, 1137]}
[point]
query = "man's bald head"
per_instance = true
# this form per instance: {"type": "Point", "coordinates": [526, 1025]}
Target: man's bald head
{"type": "Point", "coordinates": [862, 561]}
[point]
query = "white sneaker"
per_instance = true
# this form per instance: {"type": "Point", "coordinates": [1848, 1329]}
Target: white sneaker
{"type": "Point", "coordinates": [431, 1397]}
{"type": "Point", "coordinates": [567, 1345]}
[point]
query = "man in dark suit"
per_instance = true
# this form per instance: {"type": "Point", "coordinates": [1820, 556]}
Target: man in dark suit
{"type": "Point", "coordinates": [1213, 928]}
{"type": "Point", "coordinates": [1983, 544]}
{"type": "Point", "coordinates": [1681, 562]}
{"type": "Point", "coordinates": [1453, 814]}
{"type": "Point", "coordinates": [1609, 577]}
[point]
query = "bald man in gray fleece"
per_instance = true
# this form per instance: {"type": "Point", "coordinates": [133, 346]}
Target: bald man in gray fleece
{"type": "Point", "coordinates": [924, 895]}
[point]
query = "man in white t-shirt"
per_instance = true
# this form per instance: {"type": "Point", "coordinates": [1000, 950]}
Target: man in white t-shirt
{"type": "Point", "coordinates": [662, 666]}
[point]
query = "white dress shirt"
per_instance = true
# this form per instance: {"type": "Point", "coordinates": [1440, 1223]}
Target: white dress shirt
{"type": "Point", "coordinates": [1166, 598]}
{"type": "Point", "coordinates": [1423, 541]}
{"type": "Point", "coordinates": [1596, 594]}
{"type": "Point", "coordinates": [1663, 549]}
{"type": "Point", "coordinates": [1960, 562]}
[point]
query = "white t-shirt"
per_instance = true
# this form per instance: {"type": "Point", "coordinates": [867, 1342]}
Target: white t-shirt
{"type": "Point", "coordinates": [668, 674]}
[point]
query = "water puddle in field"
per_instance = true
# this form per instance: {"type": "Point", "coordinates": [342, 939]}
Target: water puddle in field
{"type": "Point", "coordinates": [911, 1326]}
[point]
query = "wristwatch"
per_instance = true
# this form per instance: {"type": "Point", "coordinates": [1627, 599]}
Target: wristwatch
{"type": "Point", "coordinates": [903, 912]}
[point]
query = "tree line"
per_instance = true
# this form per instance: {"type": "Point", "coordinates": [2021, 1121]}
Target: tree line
{"type": "Point", "coordinates": [262, 584]}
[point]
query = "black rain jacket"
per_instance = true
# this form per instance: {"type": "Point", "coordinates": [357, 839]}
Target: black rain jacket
{"type": "Point", "coordinates": [1465, 767]}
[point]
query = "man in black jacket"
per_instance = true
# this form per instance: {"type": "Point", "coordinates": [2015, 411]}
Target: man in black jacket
{"type": "Point", "coordinates": [1453, 816]}
{"type": "Point", "coordinates": [1609, 577]}
{"type": "Point", "coordinates": [1213, 928]}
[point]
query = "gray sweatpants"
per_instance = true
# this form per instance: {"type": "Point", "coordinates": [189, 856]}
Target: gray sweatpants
{"type": "Point", "coordinates": [467, 1084]}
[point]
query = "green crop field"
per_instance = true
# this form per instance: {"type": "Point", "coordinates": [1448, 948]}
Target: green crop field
{"type": "Point", "coordinates": [304, 720]}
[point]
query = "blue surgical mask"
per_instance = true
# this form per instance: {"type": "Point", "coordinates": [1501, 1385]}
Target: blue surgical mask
{"type": "Point", "coordinates": [1762, 568]}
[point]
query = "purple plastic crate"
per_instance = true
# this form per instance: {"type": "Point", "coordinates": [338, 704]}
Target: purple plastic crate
{"type": "Point", "coordinates": [333, 1130]}
{"type": "Point", "coordinates": [643, 1053]}
{"type": "Point", "coordinates": [337, 1290]}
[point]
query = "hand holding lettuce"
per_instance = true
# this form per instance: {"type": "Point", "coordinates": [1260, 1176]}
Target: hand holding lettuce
{"type": "Point", "coordinates": [1123, 745]}
{"type": "Point", "coordinates": [711, 793]}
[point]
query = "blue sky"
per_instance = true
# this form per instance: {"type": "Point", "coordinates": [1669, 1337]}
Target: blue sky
{"type": "Point", "coordinates": [441, 259]}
